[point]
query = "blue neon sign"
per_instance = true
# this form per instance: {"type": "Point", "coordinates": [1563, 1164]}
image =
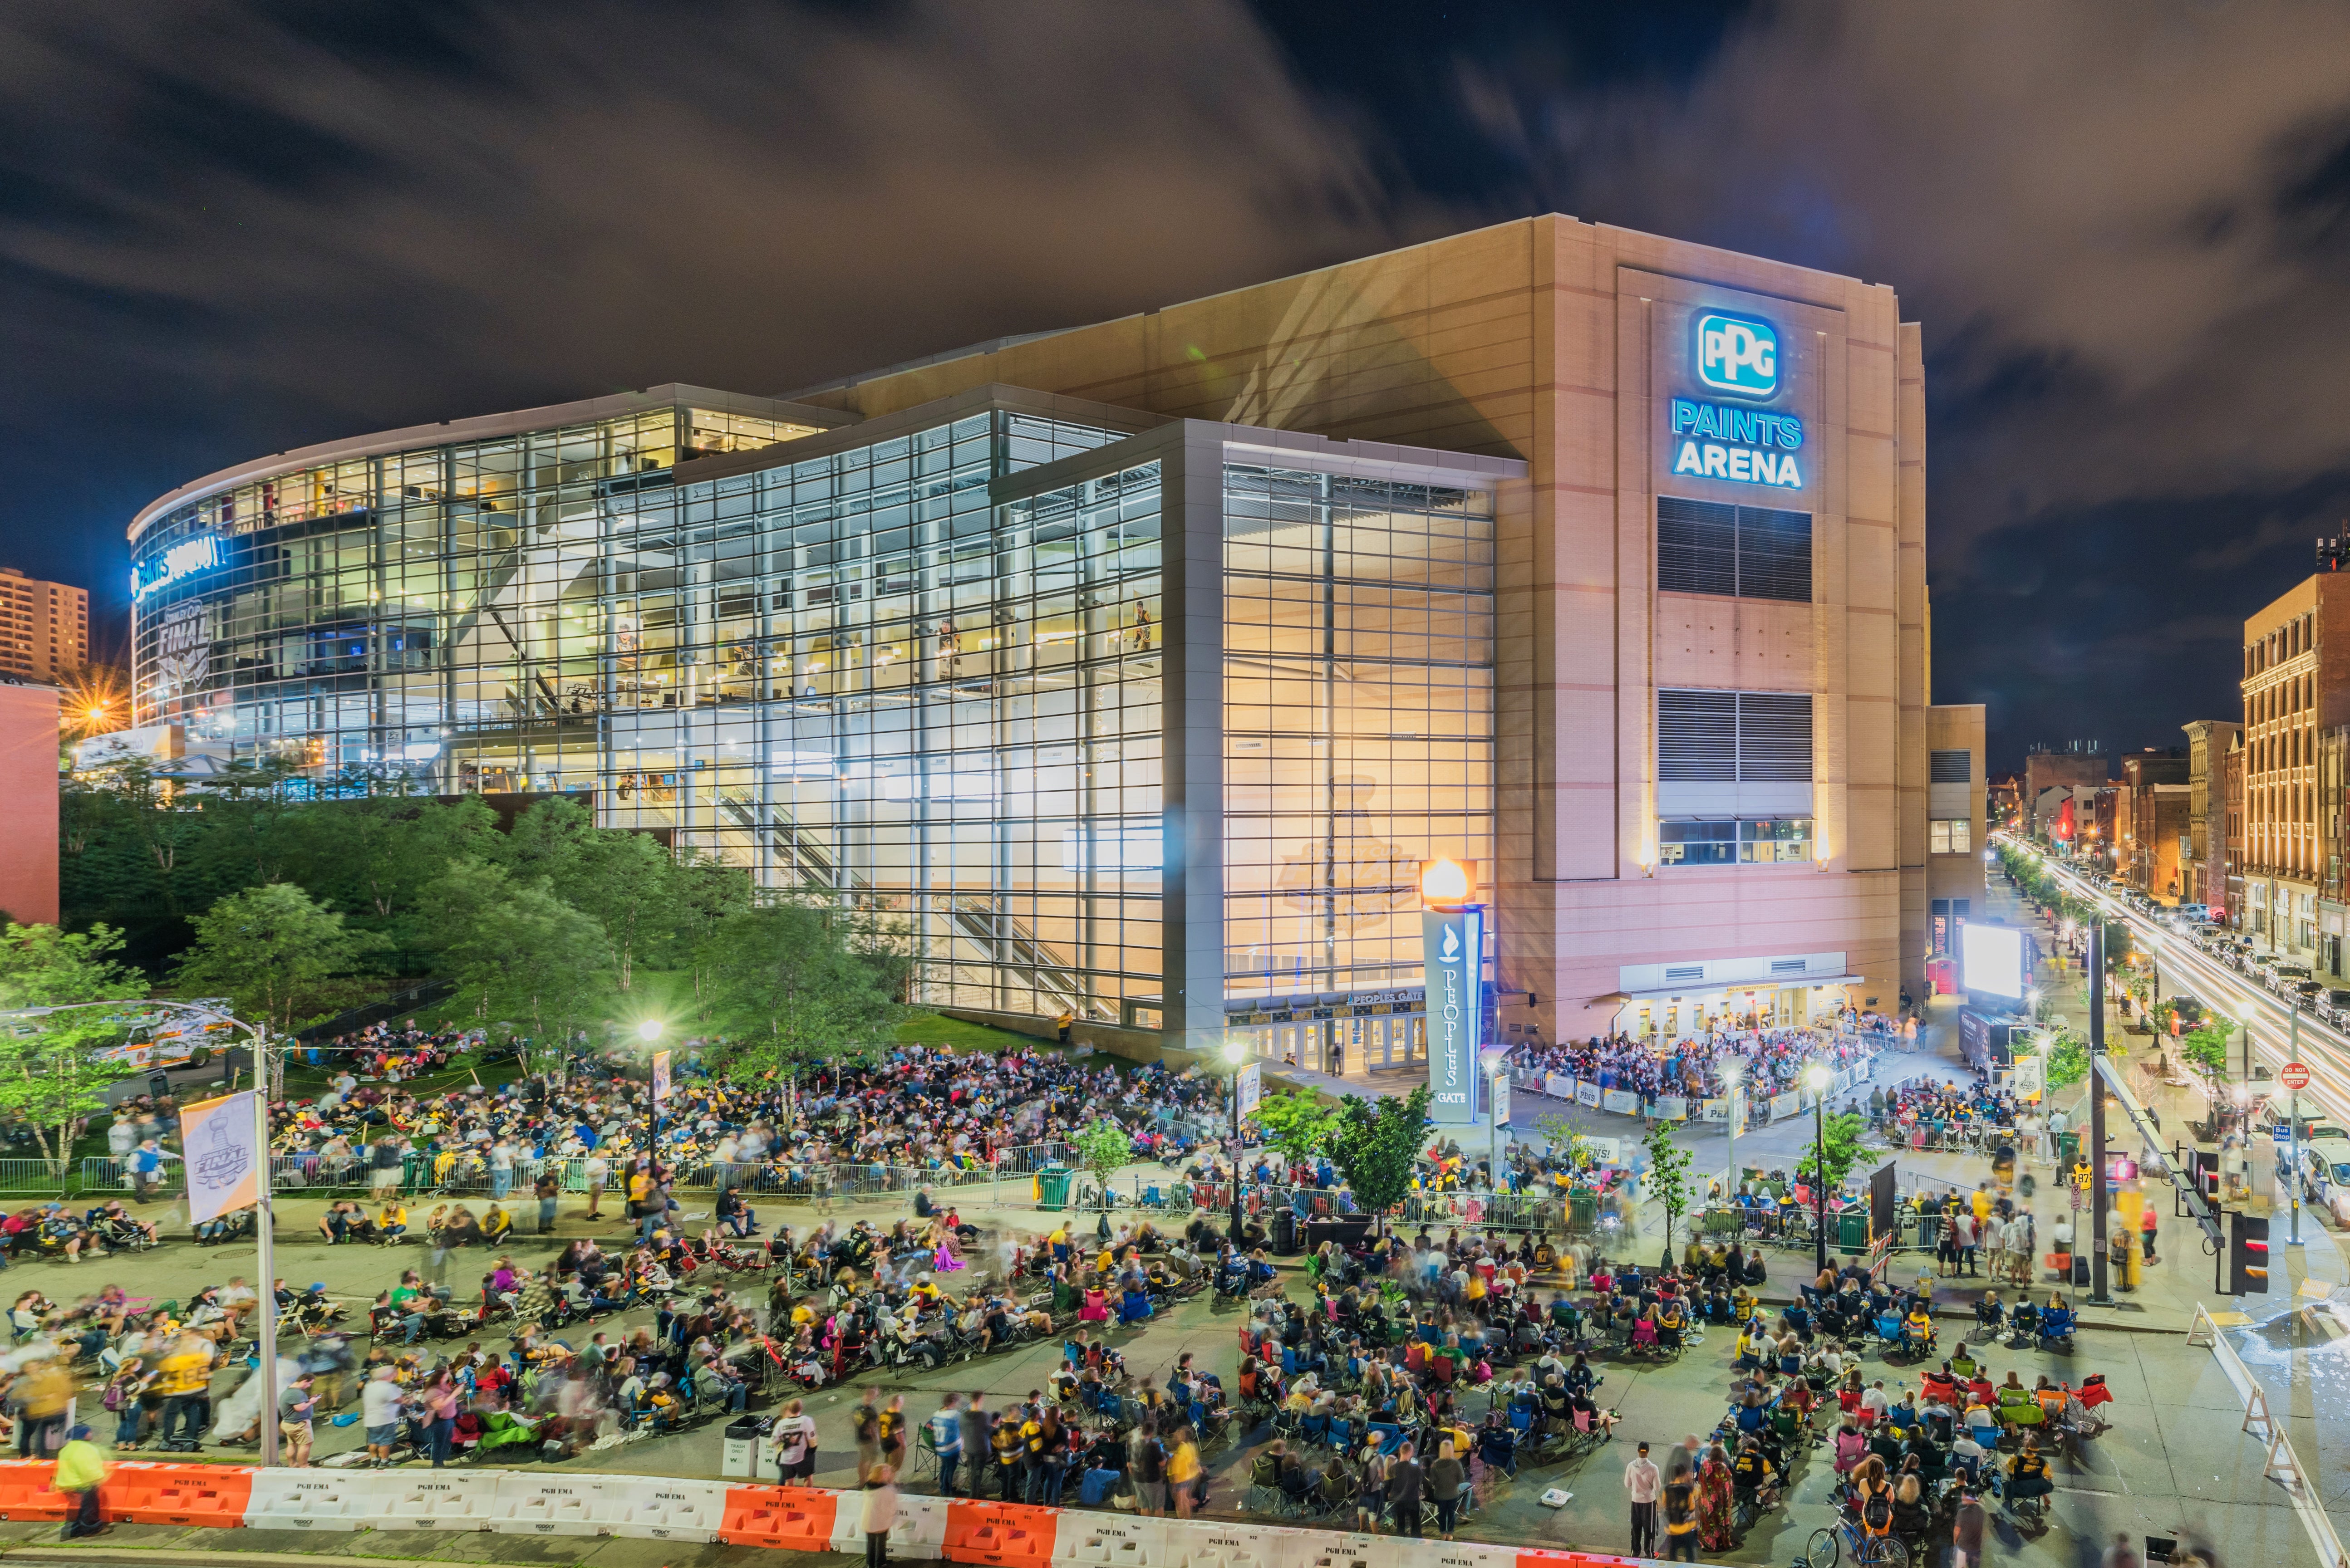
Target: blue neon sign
{"type": "Point", "coordinates": [181, 561]}
{"type": "Point", "coordinates": [1736, 355]}
{"type": "Point", "coordinates": [1742, 446]}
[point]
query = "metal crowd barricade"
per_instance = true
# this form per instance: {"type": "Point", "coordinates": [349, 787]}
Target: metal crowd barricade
{"type": "Point", "coordinates": [33, 1176]}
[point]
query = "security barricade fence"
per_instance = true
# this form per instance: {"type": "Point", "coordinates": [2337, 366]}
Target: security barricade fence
{"type": "Point", "coordinates": [730, 1513]}
{"type": "Point", "coordinates": [1759, 1109]}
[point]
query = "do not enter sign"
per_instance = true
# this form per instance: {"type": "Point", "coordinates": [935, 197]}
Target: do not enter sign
{"type": "Point", "coordinates": [2293, 1075]}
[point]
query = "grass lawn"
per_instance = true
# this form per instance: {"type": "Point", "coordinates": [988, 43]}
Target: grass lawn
{"type": "Point", "coordinates": [934, 1029]}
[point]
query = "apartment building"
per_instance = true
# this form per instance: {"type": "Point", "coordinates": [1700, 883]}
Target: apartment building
{"type": "Point", "coordinates": [44, 627]}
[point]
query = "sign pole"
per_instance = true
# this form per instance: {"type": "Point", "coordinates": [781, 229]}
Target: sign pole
{"type": "Point", "coordinates": [2294, 1076]}
{"type": "Point", "coordinates": [265, 1335]}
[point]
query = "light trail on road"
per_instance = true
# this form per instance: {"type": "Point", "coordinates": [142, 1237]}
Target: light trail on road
{"type": "Point", "coordinates": [2324, 1050]}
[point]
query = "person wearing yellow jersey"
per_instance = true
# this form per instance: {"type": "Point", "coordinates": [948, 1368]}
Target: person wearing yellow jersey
{"type": "Point", "coordinates": [1183, 1473]}
{"type": "Point", "coordinates": [392, 1221]}
{"type": "Point", "coordinates": [182, 1378]}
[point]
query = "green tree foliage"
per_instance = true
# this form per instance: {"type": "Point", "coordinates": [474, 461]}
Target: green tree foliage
{"type": "Point", "coordinates": [1842, 1136]}
{"type": "Point", "coordinates": [51, 1073]}
{"type": "Point", "coordinates": [1376, 1144]}
{"type": "Point", "coordinates": [1669, 1180]}
{"type": "Point", "coordinates": [517, 951]}
{"type": "Point", "coordinates": [1102, 1147]}
{"type": "Point", "coordinates": [794, 981]}
{"type": "Point", "coordinates": [2206, 1048]}
{"type": "Point", "coordinates": [1299, 1126]}
{"type": "Point", "coordinates": [281, 958]}
{"type": "Point", "coordinates": [1567, 1140]}
{"type": "Point", "coordinates": [2068, 1062]}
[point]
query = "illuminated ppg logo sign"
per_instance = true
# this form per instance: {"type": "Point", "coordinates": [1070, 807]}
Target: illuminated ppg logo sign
{"type": "Point", "coordinates": [1737, 354]}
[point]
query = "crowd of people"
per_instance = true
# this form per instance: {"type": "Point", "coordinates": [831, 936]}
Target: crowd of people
{"type": "Point", "coordinates": [1765, 1062]}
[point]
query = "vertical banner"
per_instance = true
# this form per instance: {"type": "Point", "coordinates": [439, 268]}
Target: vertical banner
{"type": "Point", "coordinates": [1501, 1106]}
{"type": "Point", "coordinates": [1248, 1089]}
{"type": "Point", "coordinates": [1453, 949]}
{"type": "Point", "coordinates": [661, 1076]}
{"type": "Point", "coordinates": [2029, 1081]}
{"type": "Point", "coordinates": [223, 1165]}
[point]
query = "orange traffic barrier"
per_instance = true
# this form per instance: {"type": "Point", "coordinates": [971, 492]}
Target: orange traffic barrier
{"type": "Point", "coordinates": [25, 1491]}
{"type": "Point", "coordinates": [795, 1518]}
{"type": "Point", "coordinates": [178, 1494]}
{"type": "Point", "coordinates": [1001, 1534]}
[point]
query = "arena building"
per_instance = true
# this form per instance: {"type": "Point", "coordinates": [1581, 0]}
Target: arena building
{"type": "Point", "coordinates": [1135, 668]}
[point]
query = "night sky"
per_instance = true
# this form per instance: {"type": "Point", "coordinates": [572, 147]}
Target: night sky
{"type": "Point", "coordinates": [229, 229]}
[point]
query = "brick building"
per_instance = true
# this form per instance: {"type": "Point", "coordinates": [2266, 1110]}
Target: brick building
{"type": "Point", "coordinates": [2204, 880]}
{"type": "Point", "coordinates": [44, 627]}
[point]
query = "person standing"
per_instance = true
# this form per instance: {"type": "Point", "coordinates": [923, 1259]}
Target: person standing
{"type": "Point", "coordinates": [793, 1439]}
{"type": "Point", "coordinates": [597, 1171]}
{"type": "Point", "coordinates": [946, 1440]}
{"type": "Point", "coordinates": [1680, 1519]}
{"type": "Point", "coordinates": [1966, 1532]}
{"type": "Point", "coordinates": [1406, 1481]}
{"type": "Point", "coordinates": [549, 1188]}
{"type": "Point", "coordinates": [1183, 1472]}
{"type": "Point", "coordinates": [974, 1443]}
{"type": "Point", "coordinates": [2145, 1227]}
{"type": "Point", "coordinates": [295, 1407]}
{"type": "Point", "coordinates": [1446, 1478]}
{"type": "Point", "coordinates": [880, 1514]}
{"type": "Point", "coordinates": [440, 1418]}
{"type": "Point", "coordinates": [82, 1470]}
{"type": "Point", "coordinates": [1643, 1483]}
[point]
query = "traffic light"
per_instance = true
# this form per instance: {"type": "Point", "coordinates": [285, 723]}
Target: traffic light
{"type": "Point", "coordinates": [2206, 1175]}
{"type": "Point", "coordinates": [2248, 1254]}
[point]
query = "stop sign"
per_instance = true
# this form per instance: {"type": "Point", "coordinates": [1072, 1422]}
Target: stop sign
{"type": "Point", "coordinates": [2293, 1075]}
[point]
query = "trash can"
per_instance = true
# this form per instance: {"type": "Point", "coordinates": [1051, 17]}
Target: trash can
{"type": "Point", "coordinates": [1051, 1186]}
{"type": "Point", "coordinates": [2068, 1146]}
{"type": "Point", "coordinates": [738, 1455]}
{"type": "Point", "coordinates": [1852, 1231]}
{"type": "Point", "coordinates": [1285, 1232]}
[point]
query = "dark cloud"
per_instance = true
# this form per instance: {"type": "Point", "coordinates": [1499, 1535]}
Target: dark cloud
{"type": "Point", "coordinates": [227, 228]}
{"type": "Point", "coordinates": [2123, 227]}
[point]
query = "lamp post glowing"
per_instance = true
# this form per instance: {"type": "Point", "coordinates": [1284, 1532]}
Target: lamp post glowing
{"type": "Point", "coordinates": [648, 1031]}
{"type": "Point", "coordinates": [1730, 1087]}
{"type": "Point", "coordinates": [1817, 1078]}
{"type": "Point", "coordinates": [1452, 960]}
{"type": "Point", "coordinates": [1235, 1053]}
{"type": "Point", "coordinates": [1444, 884]}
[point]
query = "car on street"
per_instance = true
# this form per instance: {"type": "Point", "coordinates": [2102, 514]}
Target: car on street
{"type": "Point", "coordinates": [2324, 1172]}
{"type": "Point", "coordinates": [2283, 977]}
{"type": "Point", "coordinates": [2334, 1007]}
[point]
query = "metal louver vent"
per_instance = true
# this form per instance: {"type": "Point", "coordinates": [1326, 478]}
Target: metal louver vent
{"type": "Point", "coordinates": [1674, 973]}
{"type": "Point", "coordinates": [1774, 737]}
{"type": "Point", "coordinates": [1774, 555]}
{"type": "Point", "coordinates": [1952, 767]}
{"type": "Point", "coordinates": [1790, 966]}
{"type": "Point", "coordinates": [1696, 737]}
{"type": "Point", "coordinates": [1697, 546]}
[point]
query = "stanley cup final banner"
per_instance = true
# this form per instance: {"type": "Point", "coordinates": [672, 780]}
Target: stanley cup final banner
{"type": "Point", "coordinates": [221, 1138]}
{"type": "Point", "coordinates": [1453, 942]}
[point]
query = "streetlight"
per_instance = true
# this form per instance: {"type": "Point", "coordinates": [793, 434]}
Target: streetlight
{"type": "Point", "coordinates": [1817, 1079]}
{"type": "Point", "coordinates": [649, 1030]}
{"type": "Point", "coordinates": [1236, 1052]}
{"type": "Point", "coordinates": [1729, 1086]}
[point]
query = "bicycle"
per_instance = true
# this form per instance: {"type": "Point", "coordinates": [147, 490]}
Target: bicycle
{"type": "Point", "coordinates": [1826, 1546]}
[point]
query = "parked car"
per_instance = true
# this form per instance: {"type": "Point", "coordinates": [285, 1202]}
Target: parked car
{"type": "Point", "coordinates": [2334, 1007]}
{"type": "Point", "coordinates": [2283, 977]}
{"type": "Point", "coordinates": [2324, 1172]}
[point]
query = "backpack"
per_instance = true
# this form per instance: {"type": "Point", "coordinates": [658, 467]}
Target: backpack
{"type": "Point", "coordinates": [1878, 1511]}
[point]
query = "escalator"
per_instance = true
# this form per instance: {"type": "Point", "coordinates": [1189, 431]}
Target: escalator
{"type": "Point", "coordinates": [1006, 943]}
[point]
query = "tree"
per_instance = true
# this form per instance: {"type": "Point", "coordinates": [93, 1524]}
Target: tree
{"type": "Point", "coordinates": [1102, 1147]}
{"type": "Point", "coordinates": [1668, 1182]}
{"type": "Point", "coordinates": [276, 953]}
{"type": "Point", "coordinates": [1376, 1145]}
{"type": "Point", "coordinates": [53, 1074]}
{"type": "Point", "coordinates": [793, 981]}
{"type": "Point", "coordinates": [627, 883]}
{"type": "Point", "coordinates": [1567, 1140]}
{"type": "Point", "coordinates": [2207, 1048]}
{"type": "Point", "coordinates": [514, 947]}
{"type": "Point", "coordinates": [2068, 1062]}
{"type": "Point", "coordinates": [1841, 1134]}
{"type": "Point", "coordinates": [1299, 1126]}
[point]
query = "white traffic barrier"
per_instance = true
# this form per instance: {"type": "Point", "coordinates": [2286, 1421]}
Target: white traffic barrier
{"type": "Point", "coordinates": [547, 1504]}
{"type": "Point", "coordinates": [1202, 1543]}
{"type": "Point", "coordinates": [658, 1508]}
{"type": "Point", "coordinates": [1317, 1549]}
{"type": "Point", "coordinates": [1114, 1540]}
{"type": "Point", "coordinates": [920, 1533]}
{"type": "Point", "coordinates": [305, 1500]}
{"type": "Point", "coordinates": [433, 1500]}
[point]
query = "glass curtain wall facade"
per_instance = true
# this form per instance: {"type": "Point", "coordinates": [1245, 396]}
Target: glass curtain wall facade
{"type": "Point", "coordinates": [877, 664]}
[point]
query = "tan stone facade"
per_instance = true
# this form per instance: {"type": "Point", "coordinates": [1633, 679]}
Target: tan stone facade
{"type": "Point", "coordinates": [1565, 344]}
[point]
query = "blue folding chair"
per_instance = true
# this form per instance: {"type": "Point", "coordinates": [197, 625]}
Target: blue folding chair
{"type": "Point", "coordinates": [1290, 1366]}
{"type": "Point", "coordinates": [1521, 1419]}
{"type": "Point", "coordinates": [1314, 1429]}
{"type": "Point", "coordinates": [1390, 1436]}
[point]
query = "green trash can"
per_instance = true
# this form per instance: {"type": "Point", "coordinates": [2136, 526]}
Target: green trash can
{"type": "Point", "coordinates": [1582, 1211]}
{"type": "Point", "coordinates": [1051, 1186]}
{"type": "Point", "coordinates": [1852, 1231]}
{"type": "Point", "coordinates": [2068, 1145]}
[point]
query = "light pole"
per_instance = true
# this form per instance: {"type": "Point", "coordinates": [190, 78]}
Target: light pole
{"type": "Point", "coordinates": [1817, 1079]}
{"type": "Point", "coordinates": [1235, 1053]}
{"type": "Point", "coordinates": [1730, 1083]}
{"type": "Point", "coordinates": [648, 1031]}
